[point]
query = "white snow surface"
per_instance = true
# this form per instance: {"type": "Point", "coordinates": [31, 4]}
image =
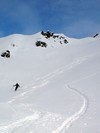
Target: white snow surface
{"type": "Point", "coordinates": [59, 85]}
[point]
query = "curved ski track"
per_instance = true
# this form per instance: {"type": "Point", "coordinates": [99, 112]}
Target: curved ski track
{"type": "Point", "coordinates": [67, 123]}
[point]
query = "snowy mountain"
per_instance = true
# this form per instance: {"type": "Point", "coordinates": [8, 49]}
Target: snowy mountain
{"type": "Point", "coordinates": [59, 84]}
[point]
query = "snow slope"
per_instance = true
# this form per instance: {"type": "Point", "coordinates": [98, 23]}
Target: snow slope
{"type": "Point", "coordinates": [59, 85]}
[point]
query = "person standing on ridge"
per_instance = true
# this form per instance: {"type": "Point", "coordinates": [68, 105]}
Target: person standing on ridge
{"type": "Point", "coordinates": [16, 86]}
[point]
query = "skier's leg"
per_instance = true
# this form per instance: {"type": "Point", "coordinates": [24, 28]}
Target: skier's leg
{"type": "Point", "coordinates": [16, 89]}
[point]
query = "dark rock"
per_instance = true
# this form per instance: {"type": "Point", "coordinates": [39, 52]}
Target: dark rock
{"type": "Point", "coordinates": [40, 43]}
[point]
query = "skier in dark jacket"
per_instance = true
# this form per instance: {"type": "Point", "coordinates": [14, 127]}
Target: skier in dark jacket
{"type": "Point", "coordinates": [16, 86]}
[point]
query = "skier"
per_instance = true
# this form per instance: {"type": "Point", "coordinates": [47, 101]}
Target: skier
{"type": "Point", "coordinates": [16, 86]}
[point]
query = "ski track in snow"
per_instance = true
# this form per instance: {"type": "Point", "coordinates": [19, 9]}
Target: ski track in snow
{"type": "Point", "coordinates": [40, 82]}
{"type": "Point", "coordinates": [68, 122]}
{"type": "Point", "coordinates": [18, 123]}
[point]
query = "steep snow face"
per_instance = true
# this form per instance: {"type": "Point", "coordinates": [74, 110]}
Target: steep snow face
{"type": "Point", "coordinates": [59, 84]}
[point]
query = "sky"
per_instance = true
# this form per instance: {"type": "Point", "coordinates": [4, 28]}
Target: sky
{"type": "Point", "coordinates": [74, 18]}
